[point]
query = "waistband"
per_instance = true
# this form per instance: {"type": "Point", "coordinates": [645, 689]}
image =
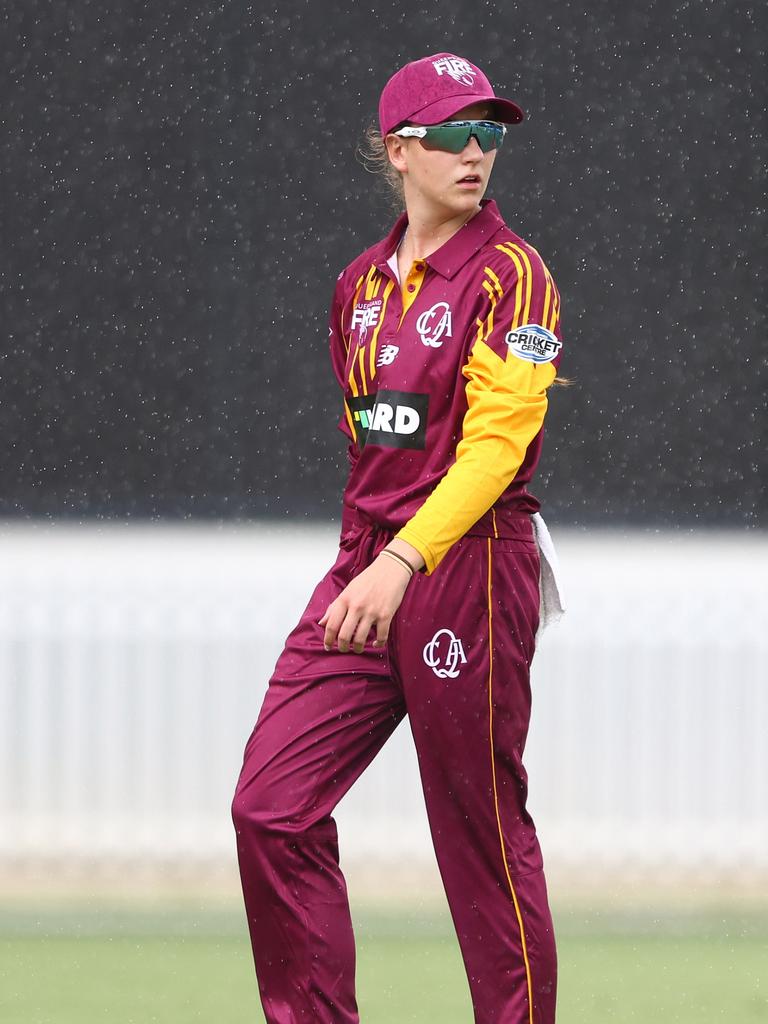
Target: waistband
{"type": "Point", "coordinates": [496, 522]}
{"type": "Point", "coordinates": [502, 522]}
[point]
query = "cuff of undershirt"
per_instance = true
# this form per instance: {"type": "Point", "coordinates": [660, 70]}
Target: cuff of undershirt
{"type": "Point", "coordinates": [411, 537]}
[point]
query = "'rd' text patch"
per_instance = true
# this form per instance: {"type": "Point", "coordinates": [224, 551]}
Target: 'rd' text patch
{"type": "Point", "coordinates": [394, 419]}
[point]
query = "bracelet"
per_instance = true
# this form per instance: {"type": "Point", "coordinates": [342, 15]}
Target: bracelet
{"type": "Point", "coordinates": [398, 558]}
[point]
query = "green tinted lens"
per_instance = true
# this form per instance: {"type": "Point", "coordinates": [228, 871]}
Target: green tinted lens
{"type": "Point", "coordinates": [450, 137]}
{"type": "Point", "coordinates": [453, 137]}
{"type": "Point", "coordinates": [489, 136]}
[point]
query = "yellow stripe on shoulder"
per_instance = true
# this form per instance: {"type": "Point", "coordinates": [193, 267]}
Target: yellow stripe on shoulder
{"type": "Point", "coordinates": [551, 307]}
{"type": "Point", "coordinates": [495, 282]}
{"type": "Point", "coordinates": [519, 285]}
{"type": "Point", "coordinates": [372, 282]}
{"type": "Point", "coordinates": [492, 287]}
{"type": "Point", "coordinates": [358, 287]}
{"type": "Point", "coordinates": [528, 278]}
{"type": "Point", "coordinates": [555, 310]}
{"type": "Point", "coordinates": [525, 259]}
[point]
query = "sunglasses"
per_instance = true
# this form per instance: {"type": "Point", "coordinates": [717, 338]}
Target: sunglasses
{"type": "Point", "coordinates": [454, 136]}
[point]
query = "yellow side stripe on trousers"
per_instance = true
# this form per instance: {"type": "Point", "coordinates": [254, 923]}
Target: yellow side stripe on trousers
{"type": "Point", "coordinates": [496, 792]}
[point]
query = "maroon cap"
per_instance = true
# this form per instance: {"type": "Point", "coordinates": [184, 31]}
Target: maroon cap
{"type": "Point", "coordinates": [430, 90]}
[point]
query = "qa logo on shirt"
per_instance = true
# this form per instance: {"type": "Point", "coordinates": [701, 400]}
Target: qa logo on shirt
{"type": "Point", "coordinates": [434, 323]}
{"type": "Point", "coordinates": [445, 654]}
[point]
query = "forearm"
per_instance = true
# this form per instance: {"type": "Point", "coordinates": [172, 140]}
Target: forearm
{"type": "Point", "coordinates": [506, 405]}
{"type": "Point", "coordinates": [407, 550]}
{"type": "Point", "coordinates": [482, 472]}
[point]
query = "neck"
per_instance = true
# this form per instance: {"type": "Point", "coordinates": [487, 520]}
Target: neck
{"type": "Point", "coordinates": [427, 233]}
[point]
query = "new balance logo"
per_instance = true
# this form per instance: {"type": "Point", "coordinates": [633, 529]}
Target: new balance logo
{"type": "Point", "coordinates": [387, 355]}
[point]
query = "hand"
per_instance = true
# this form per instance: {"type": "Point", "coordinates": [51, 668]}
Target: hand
{"type": "Point", "coordinates": [370, 599]}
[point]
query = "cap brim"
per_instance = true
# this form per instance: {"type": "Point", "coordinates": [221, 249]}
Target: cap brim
{"type": "Point", "coordinates": [504, 110]}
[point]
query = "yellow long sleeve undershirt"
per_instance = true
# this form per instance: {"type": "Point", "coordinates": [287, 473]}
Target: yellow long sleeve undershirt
{"type": "Point", "coordinates": [507, 401]}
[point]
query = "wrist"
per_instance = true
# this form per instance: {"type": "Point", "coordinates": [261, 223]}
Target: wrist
{"type": "Point", "coordinates": [403, 562]}
{"type": "Point", "coordinates": [407, 551]}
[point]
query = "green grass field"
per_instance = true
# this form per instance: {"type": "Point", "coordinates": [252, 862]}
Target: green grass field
{"type": "Point", "coordinates": [71, 967]}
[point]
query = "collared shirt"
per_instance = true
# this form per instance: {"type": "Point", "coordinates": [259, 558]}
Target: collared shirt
{"type": "Point", "coordinates": [445, 378]}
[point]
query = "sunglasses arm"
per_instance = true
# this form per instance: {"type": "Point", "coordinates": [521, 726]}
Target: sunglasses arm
{"type": "Point", "coordinates": [419, 132]}
{"type": "Point", "coordinates": [411, 132]}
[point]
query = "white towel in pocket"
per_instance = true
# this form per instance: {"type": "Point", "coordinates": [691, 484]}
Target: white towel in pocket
{"type": "Point", "coordinates": [551, 600]}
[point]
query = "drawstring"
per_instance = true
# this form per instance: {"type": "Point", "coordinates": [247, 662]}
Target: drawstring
{"type": "Point", "coordinates": [372, 539]}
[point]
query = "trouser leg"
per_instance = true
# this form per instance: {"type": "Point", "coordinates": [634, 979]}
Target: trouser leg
{"type": "Point", "coordinates": [323, 720]}
{"type": "Point", "coordinates": [464, 643]}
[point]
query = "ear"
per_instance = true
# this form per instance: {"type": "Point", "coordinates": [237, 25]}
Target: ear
{"type": "Point", "coordinates": [397, 151]}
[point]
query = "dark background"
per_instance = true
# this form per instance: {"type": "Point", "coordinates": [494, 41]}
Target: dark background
{"type": "Point", "coordinates": [181, 190]}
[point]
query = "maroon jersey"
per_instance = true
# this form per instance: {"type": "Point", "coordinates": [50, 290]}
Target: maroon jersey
{"type": "Point", "coordinates": [445, 379]}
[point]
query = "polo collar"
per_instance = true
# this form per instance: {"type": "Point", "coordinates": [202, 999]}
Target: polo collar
{"type": "Point", "coordinates": [460, 247]}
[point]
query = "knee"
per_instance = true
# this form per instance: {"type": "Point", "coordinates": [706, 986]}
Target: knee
{"type": "Point", "coordinates": [262, 812]}
{"type": "Point", "coordinates": [258, 809]}
{"type": "Point", "coordinates": [251, 810]}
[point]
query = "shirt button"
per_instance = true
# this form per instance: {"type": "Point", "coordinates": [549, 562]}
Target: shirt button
{"type": "Point", "coordinates": [411, 287]}
{"type": "Point", "coordinates": [419, 266]}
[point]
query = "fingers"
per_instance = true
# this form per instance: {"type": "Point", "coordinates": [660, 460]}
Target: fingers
{"type": "Point", "coordinates": [346, 629]}
{"type": "Point", "coordinates": [361, 634]}
{"type": "Point", "coordinates": [370, 600]}
{"type": "Point", "coordinates": [332, 620]}
{"type": "Point", "coordinates": [382, 633]}
{"type": "Point", "coordinates": [351, 632]}
{"type": "Point", "coordinates": [349, 628]}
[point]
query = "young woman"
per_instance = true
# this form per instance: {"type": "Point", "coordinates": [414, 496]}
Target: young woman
{"type": "Point", "coordinates": [445, 337]}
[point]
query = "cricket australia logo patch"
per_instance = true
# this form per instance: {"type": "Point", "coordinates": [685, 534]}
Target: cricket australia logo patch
{"type": "Point", "coordinates": [445, 654]}
{"type": "Point", "coordinates": [533, 343]}
{"type": "Point", "coordinates": [364, 316]}
{"type": "Point", "coordinates": [461, 71]}
{"type": "Point", "coordinates": [433, 324]}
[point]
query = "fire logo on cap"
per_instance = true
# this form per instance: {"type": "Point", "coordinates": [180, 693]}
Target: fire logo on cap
{"type": "Point", "coordinates": [461, 71]}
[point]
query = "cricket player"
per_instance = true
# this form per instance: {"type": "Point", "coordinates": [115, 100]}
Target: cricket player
{"type": "Point", "coordinates": [445, 338]}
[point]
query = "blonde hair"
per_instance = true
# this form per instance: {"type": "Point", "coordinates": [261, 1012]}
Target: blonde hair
{"type": "Point", "coordinates": [372, 154]}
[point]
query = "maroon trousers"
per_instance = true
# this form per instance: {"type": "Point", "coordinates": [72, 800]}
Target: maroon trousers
{"type": "Point", "coordinates": [457, 663]}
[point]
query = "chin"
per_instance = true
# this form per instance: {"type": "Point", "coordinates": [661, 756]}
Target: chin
{"type": "Point", "coordinates": [467, 203]}
{"type": "Point", "coordinates": [459, 202]}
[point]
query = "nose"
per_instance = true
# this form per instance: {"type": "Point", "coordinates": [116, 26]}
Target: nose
{"type": "Point", "coordinates": [472, 149]}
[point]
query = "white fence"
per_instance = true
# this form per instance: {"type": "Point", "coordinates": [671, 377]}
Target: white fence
{"type": "Point", "coordinates": [133, 661]}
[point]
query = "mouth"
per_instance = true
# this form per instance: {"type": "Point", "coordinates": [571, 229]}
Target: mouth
{"type": "Point", "coordinates": [469, 181]}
